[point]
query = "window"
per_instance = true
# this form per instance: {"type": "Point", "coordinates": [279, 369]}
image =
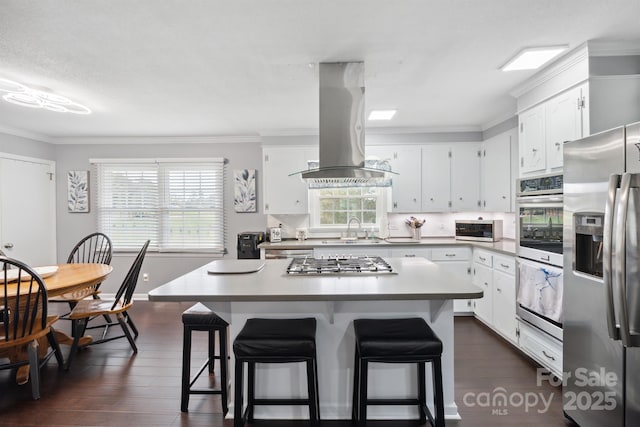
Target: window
{"type": "Point", "coordinates": [178, 204]}
{"type": "Point", "coordinates": [332, 208]}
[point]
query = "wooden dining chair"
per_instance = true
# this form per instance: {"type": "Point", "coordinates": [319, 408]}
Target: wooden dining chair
{"type": "Point", "coordinates": [95, 248]}
{"type": "Point", "coordinates": [24, 323]}
{"type": "Point", "coordinates": [119, 306]}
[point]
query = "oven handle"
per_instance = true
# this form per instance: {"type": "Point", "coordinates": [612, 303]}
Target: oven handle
{"type": "Point", "coordinates": [546, 199]}
{"type": "Point", "coordinates": [614, 183]}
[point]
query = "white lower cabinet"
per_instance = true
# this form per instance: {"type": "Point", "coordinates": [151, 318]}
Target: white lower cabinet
{"type": "Point", "coordinates": [456, 261]}
{"type": "Point", "coordinates": [495, 274]}
{"type": "Point", "coordinates": [541, 347]}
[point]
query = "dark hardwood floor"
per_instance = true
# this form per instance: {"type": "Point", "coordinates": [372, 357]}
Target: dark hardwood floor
{"type": "Point", "coordinates": [108, 386]}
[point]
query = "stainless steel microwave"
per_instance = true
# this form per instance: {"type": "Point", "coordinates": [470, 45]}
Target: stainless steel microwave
{"type": "Point", "coordinates": [479, 230]}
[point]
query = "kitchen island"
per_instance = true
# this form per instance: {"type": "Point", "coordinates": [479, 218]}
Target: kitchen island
{"type": "Point", "coordinates": [416, 287]}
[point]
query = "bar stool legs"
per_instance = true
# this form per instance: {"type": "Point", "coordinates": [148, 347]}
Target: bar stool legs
{"type": "Point", "coordinates": [275, 341]}
{"type": "Point", "coordinates": [200, 318]}
{"type": "Point", "coordinates": [397, 341]}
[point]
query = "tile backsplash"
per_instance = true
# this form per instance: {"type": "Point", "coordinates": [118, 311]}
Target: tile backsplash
{"type": "Point", "coordinates": [436, 224]}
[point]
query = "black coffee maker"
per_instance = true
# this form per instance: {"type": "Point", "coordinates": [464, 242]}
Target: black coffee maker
{"type": "Point", "coordinates": [248, 242]}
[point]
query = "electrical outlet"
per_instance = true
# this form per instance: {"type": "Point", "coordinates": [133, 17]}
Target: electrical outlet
{"type": "Point", "coordinates": [145, 277]}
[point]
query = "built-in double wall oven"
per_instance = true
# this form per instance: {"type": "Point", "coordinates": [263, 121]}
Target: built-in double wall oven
{"type": "Point", "coordinates": [539, 205]}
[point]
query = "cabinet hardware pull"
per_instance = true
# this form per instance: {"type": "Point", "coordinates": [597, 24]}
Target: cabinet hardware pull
{"type": "Point", "coordinates": [499, 290]}
{"type": "Point", "coordinates": [504, 265]}
{"type": "Point", "coordinates": [482, 258]}
{"type": "Point", "coordinates": [545, 258]}
{"type": "Point", "coordinates": [410, 255]}
{"type": "Point", "coordinates": [548, 357]}
{"type": "Point", "coordinates": [8, 245]}
{"type": "Point", "coordinates": [449, 254]}
{"type": "Point", "coordinates": [557, 144]}
{"type": "Point", "coordinates": [486, 284]}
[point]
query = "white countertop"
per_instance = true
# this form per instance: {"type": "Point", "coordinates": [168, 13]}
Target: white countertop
{"type": "Point", "coordinates": [416, 279]}
{"type": "Point", "coordinates": [505, 246]}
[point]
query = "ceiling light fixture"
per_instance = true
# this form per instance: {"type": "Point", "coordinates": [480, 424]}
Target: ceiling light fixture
{"type": "Point", "coordinates": [382, 114]}
{"type": "Point", "coordinates": [531, 58]}
{"type": "Point", "coordinates": [19, 94]}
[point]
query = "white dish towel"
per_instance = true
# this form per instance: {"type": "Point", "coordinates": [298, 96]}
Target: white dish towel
{"type": "Point", "coordinates": [540, 290]}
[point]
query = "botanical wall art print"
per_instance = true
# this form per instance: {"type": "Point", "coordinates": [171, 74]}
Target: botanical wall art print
{"type": "Point", "coordinates": [78, 191]}
{"type": "Point", "coordinates": [244, 190]}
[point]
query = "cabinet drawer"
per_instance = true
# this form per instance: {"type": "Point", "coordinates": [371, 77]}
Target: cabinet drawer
{"type": "Point", "coordinates": [482, 257]}
{"type": "Point", "coordinates": [546, 350]}
{"type": "Point", "coordinates": [450, 254]}
{"type": "Point", "coordinates": [411, 252]}
{"type": "Point", "coordinates": [504, 264]}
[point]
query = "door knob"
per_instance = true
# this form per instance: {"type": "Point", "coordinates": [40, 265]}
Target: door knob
{"type": "Point", "coordinates": [8, 245]}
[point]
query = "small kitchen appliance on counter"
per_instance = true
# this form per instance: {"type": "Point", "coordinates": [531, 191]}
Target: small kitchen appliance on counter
{"type": "Point", "coordinates": [479, 230]}
{"type": "Point", "coordinates": [248, 242]}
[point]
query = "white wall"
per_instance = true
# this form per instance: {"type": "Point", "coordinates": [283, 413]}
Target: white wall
{"type": "Point", "coordinates": [160, 267]}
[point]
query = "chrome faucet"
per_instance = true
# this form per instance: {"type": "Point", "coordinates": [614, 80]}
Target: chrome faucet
{"type": "Point", "coordinates": [356, 219]}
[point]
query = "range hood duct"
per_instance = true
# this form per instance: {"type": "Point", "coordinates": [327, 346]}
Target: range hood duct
{"type": "Point", "coordinates": [342, 127]}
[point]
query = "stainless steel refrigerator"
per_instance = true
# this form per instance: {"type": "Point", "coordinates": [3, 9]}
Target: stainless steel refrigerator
{"type": "Point", "coordinates": [601, 306]}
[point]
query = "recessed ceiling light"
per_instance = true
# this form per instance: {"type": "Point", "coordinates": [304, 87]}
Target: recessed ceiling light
{"type": "Point", "coordinates": [382, 114]}
{"type": "Point", "coordinates": [19, 94]}
{"type": "Point", "coordinates": [532, 58]}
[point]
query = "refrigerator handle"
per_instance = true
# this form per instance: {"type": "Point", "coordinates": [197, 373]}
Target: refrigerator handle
{"type": "Point", "coordinates": [621, 262]}
{"type": "Point", "coordinates": [614, 183]}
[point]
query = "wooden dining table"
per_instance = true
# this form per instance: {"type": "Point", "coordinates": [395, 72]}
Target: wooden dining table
{"type": "Point", "coordinates": [68, 278]}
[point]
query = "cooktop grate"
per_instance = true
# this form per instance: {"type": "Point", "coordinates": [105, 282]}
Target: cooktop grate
{"type": "Point", "coordinates": [339, 265]}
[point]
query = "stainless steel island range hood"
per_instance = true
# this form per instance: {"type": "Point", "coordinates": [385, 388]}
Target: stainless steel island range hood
{"type": "Point", "coordinates": [342, 157]}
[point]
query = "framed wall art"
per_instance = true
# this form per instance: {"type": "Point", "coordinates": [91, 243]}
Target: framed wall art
{"type": "Point", "coordinates": [244, 190]}
{"type": "Point", "coordinates": [78, 191]}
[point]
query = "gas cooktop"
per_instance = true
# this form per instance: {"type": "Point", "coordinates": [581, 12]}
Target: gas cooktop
{"type": "Point", "coordinates": [339, 265]}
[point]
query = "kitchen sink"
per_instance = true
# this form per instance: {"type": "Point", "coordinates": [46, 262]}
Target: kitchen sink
{"type": "Point", "coordinates": [350, 241]}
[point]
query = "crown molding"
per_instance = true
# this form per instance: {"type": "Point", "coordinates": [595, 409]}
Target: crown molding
{"type": "Point", "coordinates": [25, 134]}
{"type": "Point", "coordinates": [560, 65]}
{"type": "Point", "coordinates": [117, 140]}
{"type": "Point", "coordinates": [614, 47]}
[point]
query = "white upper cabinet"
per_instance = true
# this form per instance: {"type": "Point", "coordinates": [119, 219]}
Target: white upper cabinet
{"type": "Point", "coordinates": [465, 177]}
{"type": "Point", "coordinates": [532, 142]}
{"type": "Point", "coordinates": [563, 122]}
{"type": "Point", "coordinates": [496, 176]}
{"type": "Point", "coordinates": [406, 185]}
{"type": "Point", "coordinates": [284, 194]}
{"type": "Point", "coordinates": [436, 178]}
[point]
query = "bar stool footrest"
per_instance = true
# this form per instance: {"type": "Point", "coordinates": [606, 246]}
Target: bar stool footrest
{"type": "Point", "coordinates": [280, 402]}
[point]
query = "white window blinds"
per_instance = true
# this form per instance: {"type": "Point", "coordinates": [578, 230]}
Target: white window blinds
{"type": "Point", "coordinates": [177, 204]}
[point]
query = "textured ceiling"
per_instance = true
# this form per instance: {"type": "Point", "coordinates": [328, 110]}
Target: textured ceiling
{"type": "Point", "coordinates": [210, 68]}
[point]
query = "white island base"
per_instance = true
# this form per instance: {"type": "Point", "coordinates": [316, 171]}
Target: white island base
{"type": "Point", "coordinates": [335, 347]}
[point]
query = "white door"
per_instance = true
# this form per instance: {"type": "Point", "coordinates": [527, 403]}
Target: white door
{"type": "Point", "coordinates": [406, 197]}
{"type": "Point", "coordinates": [27, 211]}
{"type": "Point", "coordinates": [563, 123]}
{"type": "Point", "coordinates": [532, 140]}
{"type": "Point", "coordinates": [504, 304]}
{"type": "Point", "coordinates": [465, 174]}
{"type": "Point", "coordinates": [483, 278]}
{"type": "Point", "coordinates": [284, 194]}
{"type": "Point", "coordinates": [436, 178]}
{"type": "Point", "coordinates": [496, 173]}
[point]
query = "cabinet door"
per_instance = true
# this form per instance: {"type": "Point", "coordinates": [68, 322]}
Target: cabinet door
{"type": "Point", "coordinates": [504, 304]}
{"type": "Point", "coordinates": [532, 140]}
{"type": "Point", "coordinates": [460, 269]}
{"type": "Point", "coordinates": [465, 174]}
{"type": "Point", "coordinates": [496, 173]}
{"type": "Point", "coordinates": [563, 122]}
{"type": "Point", "coordinates": [483, 278]}
{"type": "Point", "coordinates": [284, 194]}
{"type": "Point", "coordinates": [436, 178]}
{"type": "Point", "coordinates": [406, 186]}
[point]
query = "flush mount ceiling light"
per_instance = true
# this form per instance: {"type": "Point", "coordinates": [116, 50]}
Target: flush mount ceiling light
{"type": "Point", "coordinates": [19, 94]}
{"type": "Point", "coordinates": [382, 114]}
{"type": "Point", "coordinates": [531, 58]}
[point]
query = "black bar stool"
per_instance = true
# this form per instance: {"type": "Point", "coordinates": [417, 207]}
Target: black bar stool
{"type": "Point", "coordinates": [397, 341]}
{"type": "Point", "coordinates": [201, 318]}
{"type": "Point", "coordinates": [275, 341]}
